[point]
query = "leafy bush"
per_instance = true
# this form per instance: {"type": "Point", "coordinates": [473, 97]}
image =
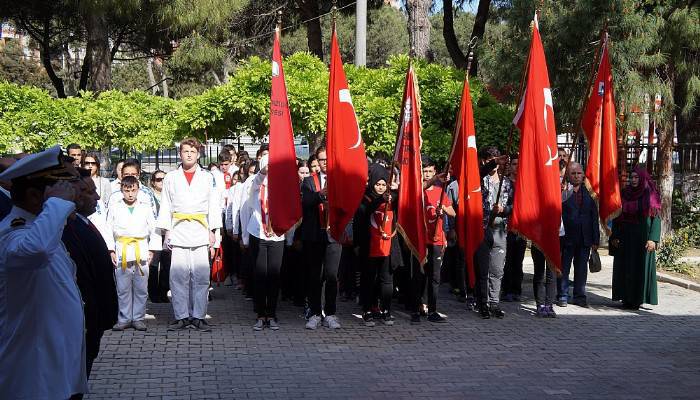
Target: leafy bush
{"type": "Point", "coordinates": [31, 120]}
{"type": "Point", "coordinates": [675, 244]}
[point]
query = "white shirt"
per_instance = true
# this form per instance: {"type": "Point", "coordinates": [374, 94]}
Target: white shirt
{"type": "Point", "coordinates": [104, 189]}
{"type": "Point", "coordinates": [99, 219]}
{"type": "Point", "coordinates": [233, 208]}
{"type": "Point", "coordinates": [42, 339]}
{"type": "Point", "coordinates": [138, 223]}
{"type": "Point", "coordinates": [198, 197]}
{"type": "Point", "coordinates": [251, 213]}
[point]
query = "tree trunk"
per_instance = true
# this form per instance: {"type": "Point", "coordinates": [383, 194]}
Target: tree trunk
{"type": "Point", "coordinates": [419, 27]}
{"type": "Point", "coordinates": [309, 12]}
{"type": "Point", "coordinates": [45, 54]}
{"type": "Point", "coordinates": [664, 167]}
{"type": "Point", "coordinates": [482, 15]}
{"type": "Point", "coordinates": [151, 78]}
{"type": "Point", "coordinates": [448, 33]}
{"type": "Point", "coordinates": [101, 53]}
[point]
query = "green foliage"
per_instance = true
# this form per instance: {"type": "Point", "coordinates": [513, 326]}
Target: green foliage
{"type": "Point", "coordinates": [32, 120]}
{"type": "Point", "coordinates": [674, 245]}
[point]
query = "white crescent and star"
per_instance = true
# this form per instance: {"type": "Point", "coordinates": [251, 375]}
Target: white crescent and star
{"type": "Point", "coordinates": [344, 97]}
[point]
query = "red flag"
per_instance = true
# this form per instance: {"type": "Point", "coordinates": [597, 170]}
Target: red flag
{"type": "Point", "coordinates": [599, 125]}
{"type": "Point", "coordinates": [537, 206]}
{"type": "Point", "coordinates": [347, 162]}
{"type": "Point", "coordinates": [411, 209]}
{"type": "Point", "coordinates": [282, 180]}
{"type": "Point", "coordinates": [465, 166]}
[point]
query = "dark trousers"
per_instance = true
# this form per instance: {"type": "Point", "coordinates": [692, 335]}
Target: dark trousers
{"type": "Point", "coordinates": [376, 273]}
{"type": "Point", "coordinates": [323, 259]}
{"type": "Point", "coordinates": [246, 271]}
{"type": "Point", "coordinates": [513, 270]}
{"type": "Point", "coordinates": [228, 247]}
{"type": "Point", "coordinates": [159, 276]}
{"type": "Point", "coordinates": [544, 283]}
{"type": "Point", "coordinates": [347, 272]}
{"type": "Point", "coordinates": [426, 280]}
{"type": "Point", "coordinates": [491, 257]}
{"type": "Point", "coordinates": [577, 254]}
{"type": "Point", "coordinates": [268, 262]}
{"type": "Point", "coordinates": [93, 337]}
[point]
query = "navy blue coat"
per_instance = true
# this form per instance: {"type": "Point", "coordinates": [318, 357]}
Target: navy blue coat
{"type": "Point", "coordinates": [5, 205]}
{"type": "Point", "coordinates": [581, 224]}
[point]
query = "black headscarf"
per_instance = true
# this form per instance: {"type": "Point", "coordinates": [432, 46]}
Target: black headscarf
{"type": "Point", "coordinates": [376, 173]}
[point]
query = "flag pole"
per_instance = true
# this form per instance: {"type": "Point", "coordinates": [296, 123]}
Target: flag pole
{"type": "Point", "coordinates": [587, 92]}
{"type": "Point", "coordinates": [395, 162]}
{"type": "Point", "coordinates": [446, 170]}
{"type": "Point", "coordinates": [492, 217]}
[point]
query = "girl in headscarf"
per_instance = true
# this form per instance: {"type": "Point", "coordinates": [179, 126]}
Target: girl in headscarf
{"type": "Point", "coordinates": [635, 236]}
{"type": "Point", "coordinates": [372, 235]}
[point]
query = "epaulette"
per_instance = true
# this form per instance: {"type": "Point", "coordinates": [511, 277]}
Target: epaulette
{"type": "Point", "coordinates": [18, 222]}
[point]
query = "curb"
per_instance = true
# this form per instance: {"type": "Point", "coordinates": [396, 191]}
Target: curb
{"type": "Point", "coordinates": [685, 284]}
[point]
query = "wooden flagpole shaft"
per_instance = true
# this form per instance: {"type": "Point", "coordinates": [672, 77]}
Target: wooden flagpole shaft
{"type": "Point", "coordinates": [587, 92]}
{"type": "Point", "coordinates": [492, 217]}
{"type": "Point", "coordinates": [446, 170]}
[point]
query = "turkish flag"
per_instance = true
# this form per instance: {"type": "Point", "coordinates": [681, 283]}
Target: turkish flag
{"type": "Point", "coordinates": [411, 209]}
{"type": "Point", "coordinates": [347, 162]}
{"type": "Point", "coordinates": [537, 206]}
{"type": "Point", "coordinates": [598, 123]}
{"type": "Point", "coordinates": [465, 166]}
{"type": "Point", "coordinates": [282, 180]}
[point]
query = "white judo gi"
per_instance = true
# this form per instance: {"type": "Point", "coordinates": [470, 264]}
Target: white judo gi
{"type": "Point", "coordinates": [134, 234]}
{"type": "Point", "coordinates": [189, 211]}
{"type": "Point", "coordinates": [42, 338]}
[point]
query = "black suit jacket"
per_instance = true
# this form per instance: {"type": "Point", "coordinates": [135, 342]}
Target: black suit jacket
{"type": "Point", "coordinates": [95, 274]}
{"type": "Point", "coordinates": [581, 223]}
{"type": "Point", "coordinates": [311, 229]}
{"type": "Point", "coordinates": [5, 205]}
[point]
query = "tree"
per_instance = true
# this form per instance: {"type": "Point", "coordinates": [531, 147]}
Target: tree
{"type": "Point", "coordinates": [419, 27]}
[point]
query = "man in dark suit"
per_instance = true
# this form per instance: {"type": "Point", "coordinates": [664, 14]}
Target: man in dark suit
{"type": "Point", "coordinates": [320, 251]}
{"type": "Point", "coordinates": [581, 235]}
{"type": "Point", "coordinates": [95, 271]}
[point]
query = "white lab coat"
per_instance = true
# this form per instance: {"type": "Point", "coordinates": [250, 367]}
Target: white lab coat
{"type": "Point", "coordinates": [42, 339]}
{"type": "Point", "coordinates": [198, 197]}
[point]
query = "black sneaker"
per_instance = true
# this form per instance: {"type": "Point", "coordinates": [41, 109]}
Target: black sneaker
{"type": "Point", "coordinates": [436, 318]}
{"type": "Point", "coordinates": [496, 311]}
{"type": "Point", "coordinates": [201, 325]}
{"type": "Point", "coordinates": [415, 318]}
{"type": "Point", "coordinates": [387, 318]}
{"type": "Point", "coordinates": [471, 304]}
{"type": "Point", "coordinates": [178, 324]}
{"type": "Point", "coordinates": [368, 318]}
{"type": "Point", "coordinates": [484, 312]}
{"type": "Point", "coordinates": [581, 303]}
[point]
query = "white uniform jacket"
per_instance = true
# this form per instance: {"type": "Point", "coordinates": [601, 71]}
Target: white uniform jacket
{"type": "Point", "coordinates": [145, 197]}
{"type": "Point", "coordinates": [42, 338]}
{"type": "Point", "coordinates": [251, 214]}
{"type": "Point", "coordinates": [139, 224]}
{"type": "Point", "coordinates": [181, 203]}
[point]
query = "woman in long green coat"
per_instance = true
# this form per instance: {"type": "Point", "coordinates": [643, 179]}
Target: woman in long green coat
{"type": "Point", "coordinates": [635, 236]}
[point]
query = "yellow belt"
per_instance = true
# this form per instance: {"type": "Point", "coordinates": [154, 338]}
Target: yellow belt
{"type": "Point", "coordinates": [127, 241]}
{"type": "Point", "coordinates": [201, 218]}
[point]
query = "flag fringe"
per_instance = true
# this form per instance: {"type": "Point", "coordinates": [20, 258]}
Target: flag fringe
{"type": "Point", "coordinates": [549, 264]}
{"type": "Point", "coordinates": [410, 245]}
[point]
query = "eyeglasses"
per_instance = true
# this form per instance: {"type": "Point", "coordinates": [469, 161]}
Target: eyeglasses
{"type": "Point", "coordinates": [158, 180]}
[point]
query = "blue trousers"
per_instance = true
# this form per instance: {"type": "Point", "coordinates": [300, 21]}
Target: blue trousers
{"type": "Point", "coordinates": [578, 256]}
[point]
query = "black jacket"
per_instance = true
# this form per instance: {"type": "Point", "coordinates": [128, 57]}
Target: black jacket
{"type": "Point", "coordinates": [95, 274]}
{"type": "Point", "coordinates": [311, 229]}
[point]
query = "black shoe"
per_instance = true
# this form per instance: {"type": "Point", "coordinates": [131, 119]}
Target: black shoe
{"type": "Point", "coordinates": [562, 303]}
{"type": "Point", "coordinates": [179, 324]}
{"type": "Point", "coordinates": [496, 311]}
{"type": "Point", "coordinates": [581, 303]}
{"type": "Point", "coordinates": [415, 318]}
{"type": "Point", "coordinates": [201, 325]}
{"type": "Point", "coordinates": [471, 304]}
{"type": "Point", "coordinates": [436, 318]}
{"type": "Point", "coordinates": [388, 318]}
{"type": "Point", "coordinates": [368, 318]}
{"type": "Point", "coordinates": [484, 312]}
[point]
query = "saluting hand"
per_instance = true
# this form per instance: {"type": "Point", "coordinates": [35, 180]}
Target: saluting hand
{"type": "Point", "coordinates": [62, 190]}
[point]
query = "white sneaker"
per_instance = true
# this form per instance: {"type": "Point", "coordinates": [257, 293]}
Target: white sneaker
{"type": "Point", "coordinates": [314, 322]}
{"type": "Point", "coordinates": [332, 322]}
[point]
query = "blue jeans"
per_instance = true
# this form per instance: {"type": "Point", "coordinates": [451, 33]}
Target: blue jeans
{"type": "Point", "coordinates": [579, 256]}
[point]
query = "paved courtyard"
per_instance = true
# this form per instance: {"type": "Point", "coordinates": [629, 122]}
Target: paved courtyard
{"type": "Point", "coordinates": [602, 352]}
